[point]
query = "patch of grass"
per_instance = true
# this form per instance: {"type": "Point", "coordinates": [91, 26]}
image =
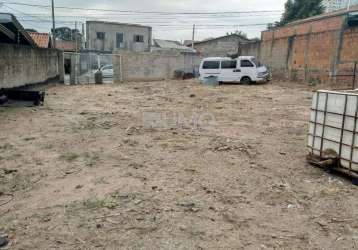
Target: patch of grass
{"type": "Point", "coordinates": [6, 146]}
{"type": "Point", "coordinates": [97, 203]}
{"type": "Point", "coordinates": [312, 82]}
{"type": "Point", "coordinates": [29, 138]}
{"type": "Point", "coordinates": [69, 157]}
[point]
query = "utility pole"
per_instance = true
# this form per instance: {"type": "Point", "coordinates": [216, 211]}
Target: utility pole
{"type": "Point", "coordinates": [349, 5]}
{"type": "Point", "coordinates": [75, 33]}
{"type": "Point", "coordinates": [76, 56]}
{"type": "Point", "coordinates": [83, 41]}
{"type": "Point", "coordinates": [193, 37]}
{"type": "Point", "coordinates": [53, 24]}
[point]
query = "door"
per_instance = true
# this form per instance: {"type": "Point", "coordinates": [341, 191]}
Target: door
{"type": "Point", "coordinates": [248, 69]}
{"type": "Point", "coordinates": [210, 68]}
{"type": "Point", "coordinates": [229, 71]}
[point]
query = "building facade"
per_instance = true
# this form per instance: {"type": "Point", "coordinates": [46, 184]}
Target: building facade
{"type": "Point", "coordinates": [333, 5]}
{"type": "Point", "coordinates": [114, 37]}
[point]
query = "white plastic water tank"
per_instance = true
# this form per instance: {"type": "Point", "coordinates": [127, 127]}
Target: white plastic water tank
{"type": "Point", "coordinates": [334, 127]}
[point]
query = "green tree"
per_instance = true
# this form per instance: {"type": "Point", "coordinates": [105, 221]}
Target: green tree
{"type": "Point", "coordinates": [299, 9]}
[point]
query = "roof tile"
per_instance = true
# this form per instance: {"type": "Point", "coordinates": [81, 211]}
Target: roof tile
{"type": "Point", "coordinates": [42, 40]}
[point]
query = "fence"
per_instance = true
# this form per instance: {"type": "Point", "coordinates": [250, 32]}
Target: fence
{"type": "Point", "coordinates": [80, 68]}
{"type": "Point", "coordinates": [347, 73]}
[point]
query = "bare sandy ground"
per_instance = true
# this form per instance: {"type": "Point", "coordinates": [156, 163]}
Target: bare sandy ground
{"type": "Point", "coordinates": [169, 165]}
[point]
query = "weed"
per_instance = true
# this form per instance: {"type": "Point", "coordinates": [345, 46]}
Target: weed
{"type": "Point", "coordinates": [96, 203]}
{"type": "Point", "coordinates": [6, 146]}
{"type": "Point", "coordinates": [69, 157]}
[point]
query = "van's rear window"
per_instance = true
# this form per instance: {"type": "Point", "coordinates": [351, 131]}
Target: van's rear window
{"type": "Point", "coordinates": [211, 65]}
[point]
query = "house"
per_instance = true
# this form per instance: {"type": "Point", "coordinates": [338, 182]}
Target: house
{"type": "Point", "coordinates": [333, 5]}
{"type": "Point", "coordinates": [12, 32]}
{"type": "Point", "coordinates": [42, 40]}
{"type": "Point", "coordinates": [189, 42]}
{"type": "Point", "coordinates": [168, 45]}
{"type": "Point", "coordinates": [220, 46]}
{"type": "Point", "coordinates": [111, 36]}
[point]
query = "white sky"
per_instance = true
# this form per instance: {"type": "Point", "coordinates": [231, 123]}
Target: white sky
{"type": "Point", "coordinates": [175, 27]}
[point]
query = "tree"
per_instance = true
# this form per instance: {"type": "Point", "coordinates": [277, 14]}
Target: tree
{"type": "Point", "coordinates": [299, 9]}
{"type": "Point", "coordinates": [237, 32]}
{"type": "Point", "coordinates": [67, 34]}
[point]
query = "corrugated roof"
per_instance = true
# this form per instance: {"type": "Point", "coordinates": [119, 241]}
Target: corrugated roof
{"type": "Point", "coordinates": [11, 31]}
{"type": "Point", "coordinates": [41, 39]}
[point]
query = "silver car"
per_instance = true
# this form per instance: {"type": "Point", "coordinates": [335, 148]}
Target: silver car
{"type": "Point", "coordinates": [107, 71]}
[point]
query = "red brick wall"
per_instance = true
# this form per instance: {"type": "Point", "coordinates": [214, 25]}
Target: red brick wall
{"type": "Point", "coordinates": [310, 51]}
{"type": "Point", "coordinates": [349, 50]}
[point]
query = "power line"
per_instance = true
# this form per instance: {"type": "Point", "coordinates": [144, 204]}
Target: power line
{"type": "Point", "coordinates": [167, 25]}
{"type": "Point", "coordinates": [145, 12]}
{"type": "Point", "coordinates": [106, 16]}
{"type": "Point", "coordinates": [26, 14]}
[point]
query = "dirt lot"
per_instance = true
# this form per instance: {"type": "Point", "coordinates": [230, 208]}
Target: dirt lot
{"type": "Point", "coordinates": [126, 167]}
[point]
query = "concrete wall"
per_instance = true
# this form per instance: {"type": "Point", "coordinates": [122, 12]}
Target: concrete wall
{"type": "Point", "coordinates": [312, 50]}
{"type": "Point", "coordinates": [150, 66]}
{"type": "Point", "coordinates": [22, 65]}
{"type": "Point", "coordinates": [219, 47]}
{"type": "Point", "coordinates": [251, 49]}
{"type": "Point", "coordinates": [110, 41]}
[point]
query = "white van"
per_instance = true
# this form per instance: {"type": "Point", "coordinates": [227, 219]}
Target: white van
{"type": "Point", "coordinates": [244, 69]}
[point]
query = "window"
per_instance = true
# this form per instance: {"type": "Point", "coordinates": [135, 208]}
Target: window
{"type": "Point", "coordinates": [138, 39]}
{"type": "Point", "coordinates": [119, 40]}
{"type": "Point", "coordinates": [246, 64]}
{"type": "Point", "coordinates": [211, 65]}
{"type": "Point", "coordinates": [107, 68]}
{"type": "Point", "coordinates": [101, 35]}
{"type": "Point", "coordinates": [228, 64]}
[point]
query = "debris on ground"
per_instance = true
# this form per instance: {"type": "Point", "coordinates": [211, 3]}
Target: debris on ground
{"type": "Point", "coordinates": [3, 241]}
{"type": "Point", "coordinates": [96, 176]}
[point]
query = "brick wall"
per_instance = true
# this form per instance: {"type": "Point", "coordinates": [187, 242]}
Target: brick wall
{"type": "Point", "coordinates": [312, 50]}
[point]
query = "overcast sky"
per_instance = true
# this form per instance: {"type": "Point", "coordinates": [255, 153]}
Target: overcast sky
{"type": "Point", "coordinates": [175, 27]}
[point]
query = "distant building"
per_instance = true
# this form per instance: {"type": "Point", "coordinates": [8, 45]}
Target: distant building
{"type": "Point", "coordinates": [67, 46]}
{"type": "Point", "coordinates": [112, 37]}
{"type": "Point", "coordinates": [165, 45]}
{"type": "Point", "coordinates": [220, 46]}
{"type": "Point", "coordinates": [333, 5]}
{"type": "Point", "coordinates": [42, 40]}
{"type": "Point", "coordinates": [189, 42]}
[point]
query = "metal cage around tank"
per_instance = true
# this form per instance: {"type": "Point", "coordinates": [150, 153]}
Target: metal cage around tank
{"type": "Point", "coordinates": [333, 127]}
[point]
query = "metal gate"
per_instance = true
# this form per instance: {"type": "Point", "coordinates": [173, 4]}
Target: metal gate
{"type": "Point", "coordinates": [80, 68]}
